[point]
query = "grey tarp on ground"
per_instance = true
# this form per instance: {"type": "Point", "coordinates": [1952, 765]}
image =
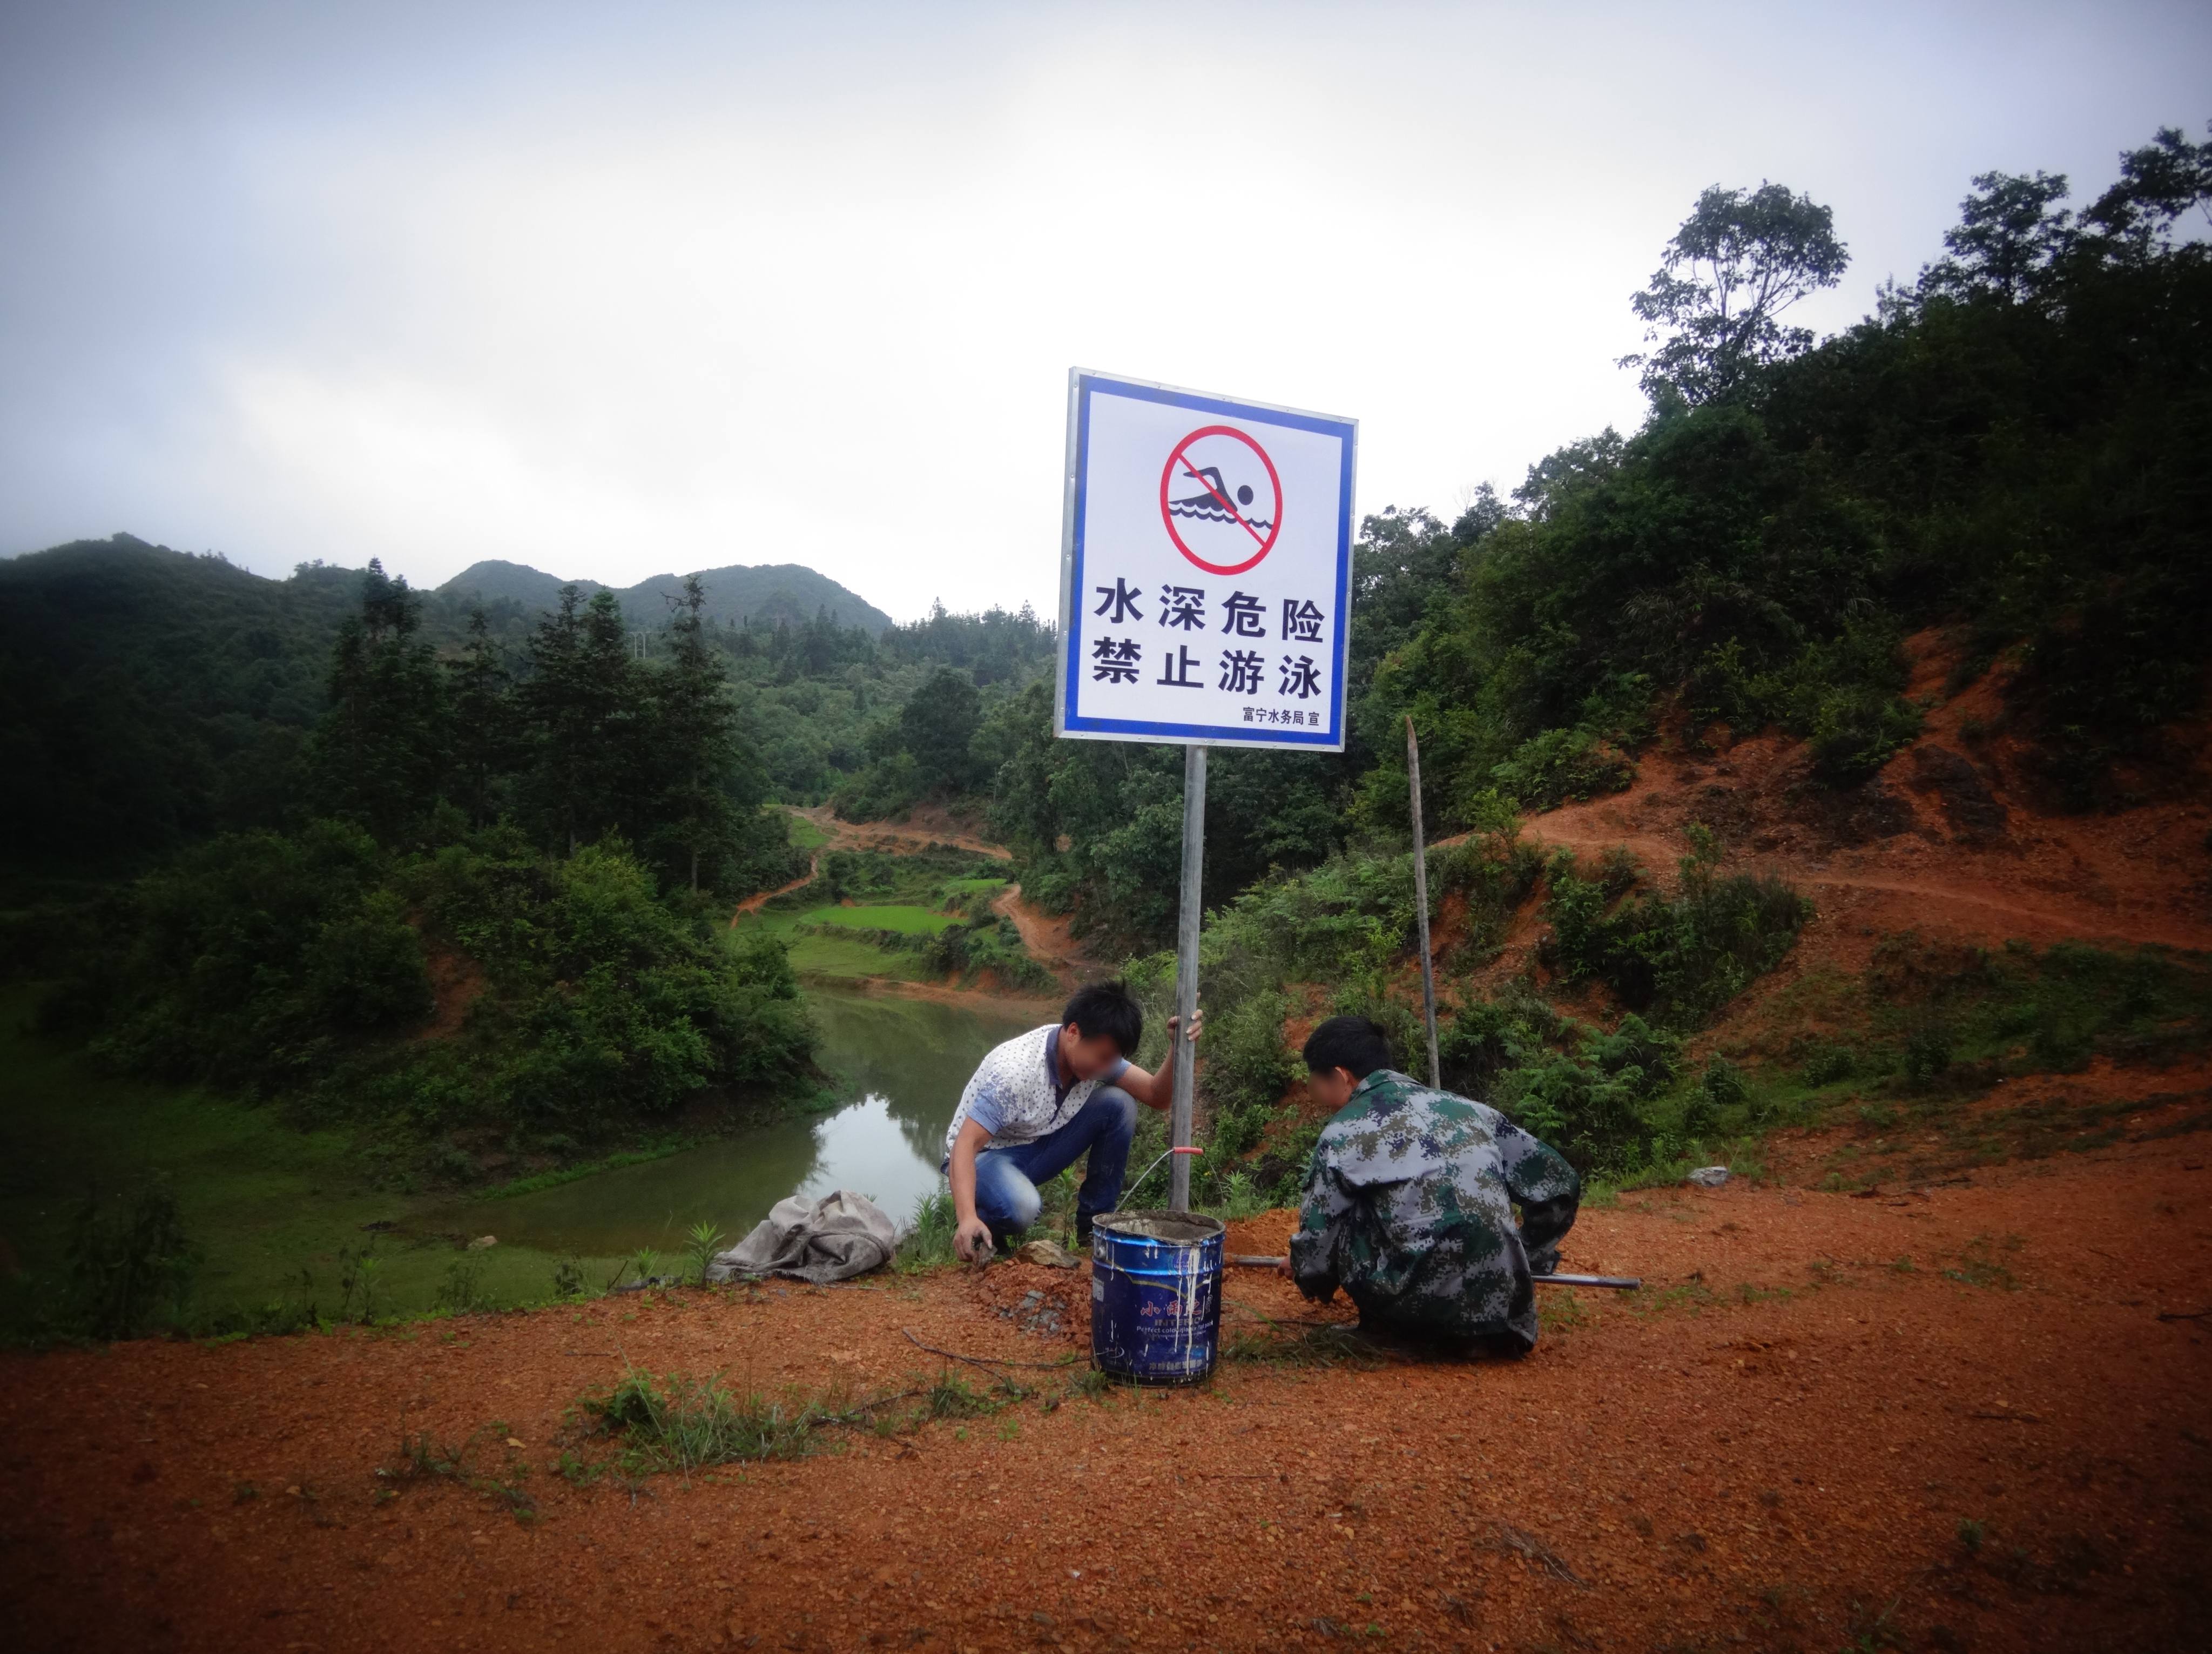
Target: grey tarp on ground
{"type": "Point", "coordinates": [834, 1239]}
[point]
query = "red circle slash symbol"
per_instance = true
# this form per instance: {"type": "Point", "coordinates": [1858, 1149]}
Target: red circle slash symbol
{"type": "Point", "coordinates": [1216, 512]}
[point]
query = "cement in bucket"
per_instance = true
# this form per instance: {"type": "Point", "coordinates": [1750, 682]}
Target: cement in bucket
{"type": "Point", "coordinates": [1156, 1296]}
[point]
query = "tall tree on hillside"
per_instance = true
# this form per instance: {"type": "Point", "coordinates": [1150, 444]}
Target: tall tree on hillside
{"type": "Point", "coordinates": [937, 727]}
{"type": "Point", "coordinates": [379, 755]}
{"type": "Point", "coordinates": [2157, 184]}
{"type": "Point", "coordinates": [483, 721]}
{"type": "Point", "coordinates": [1741, 258]}
{"type": "Point", "coordinates": [585, 714]}
{"type": "Point", "coordinates": [2011, 233]}
{"type": "Point", "coordinates": [695, 739]}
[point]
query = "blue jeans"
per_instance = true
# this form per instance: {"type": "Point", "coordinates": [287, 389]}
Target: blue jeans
{"type": "Point", "coordinates": [1007, 1179]}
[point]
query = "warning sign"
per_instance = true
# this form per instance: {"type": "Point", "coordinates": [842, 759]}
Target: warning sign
{"type": "Point", "coordinates": [1206, 574]}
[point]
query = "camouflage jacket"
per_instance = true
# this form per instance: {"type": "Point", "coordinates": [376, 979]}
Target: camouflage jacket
{"type": "Point", "coordinates": [1409, 1207]}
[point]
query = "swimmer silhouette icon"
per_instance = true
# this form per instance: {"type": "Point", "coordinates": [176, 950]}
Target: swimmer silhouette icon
{"type": "Point", "coordinates": [1212, 505]}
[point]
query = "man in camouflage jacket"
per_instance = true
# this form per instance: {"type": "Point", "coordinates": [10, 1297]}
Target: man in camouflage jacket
{"type": "Point", "coordinates": [1409, 1201]}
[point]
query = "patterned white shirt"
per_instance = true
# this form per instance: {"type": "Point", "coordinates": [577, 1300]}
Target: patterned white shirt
{"type": "Point", "coordinates": [1015, 1093]}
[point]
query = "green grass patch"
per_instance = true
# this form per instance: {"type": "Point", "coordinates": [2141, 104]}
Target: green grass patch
{"type": "Point", "coordinates": [273, 1215]}
{"type": "Point", "coordinates": [899, 919]}
{"type": "Point", "coordinates": [806, 834]}
{"type": "Point", "coordinates": [553, 1179]}
{"type": "Point", "coordinates": [851, 956]}
{"type": "Point", "coordinates": [953, 889]}
{"type": "Point", "coordinates": [687, 1424]}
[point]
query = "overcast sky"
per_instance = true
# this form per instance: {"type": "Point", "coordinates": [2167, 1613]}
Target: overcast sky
{"type": "Point", "coordinates": [616, 289]}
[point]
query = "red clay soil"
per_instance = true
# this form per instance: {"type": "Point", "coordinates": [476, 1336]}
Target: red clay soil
{"type": "Point", "coordinates": [925, 824]}
{"type": "Point", "coordinates": [1968, 1416]}
{"type": "Point", "coordinates": [1953, 838]}
{"type": "Point", "coordinates": [1048, 938]}
{"type": "Point", "coordinates": [456, 980]}
{"type": "Point", "coordinates": [760, 899]}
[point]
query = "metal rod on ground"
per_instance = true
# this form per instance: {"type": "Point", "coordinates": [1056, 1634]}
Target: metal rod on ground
{"type": "Point", "coordinates": [1619, 1283]}
{"type": "Point", "coordinates": [1421, 904]}
{"type": "Point", "coordinates": [1185, 1055]}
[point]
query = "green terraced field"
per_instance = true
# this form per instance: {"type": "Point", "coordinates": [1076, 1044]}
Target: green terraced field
{"type": "Point", "coordinates": [955, 888]}
{"type": "Point", "coordinates": [905, 920]}
{"type": "Point", "coordinates": [804, 834]}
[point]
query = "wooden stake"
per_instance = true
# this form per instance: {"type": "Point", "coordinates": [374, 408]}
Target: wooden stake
{"type": "Point", "coordinates": [1421, 904]}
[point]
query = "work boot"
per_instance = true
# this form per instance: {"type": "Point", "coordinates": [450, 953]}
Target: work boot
{"type": "Point", "coordinates": [1082, 1232]}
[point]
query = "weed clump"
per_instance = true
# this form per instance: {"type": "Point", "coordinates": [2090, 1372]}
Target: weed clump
{"type": "Point", "coordinates": [1680, 957]}
{"type": "Point", "coordinates": [927, 1241]}
{"type": "Point", "coordinates": [130, 1266]}
{"type": "Point", "coordinates": [687, 1423]}
{"type": "Point", "coordinates": [462, 1291]}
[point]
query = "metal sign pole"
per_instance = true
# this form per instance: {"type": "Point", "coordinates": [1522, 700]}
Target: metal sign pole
{"type": "Point", "coordinates": [1421, 904]}
{"type": "Point", "coordinates": [1185, 1055]}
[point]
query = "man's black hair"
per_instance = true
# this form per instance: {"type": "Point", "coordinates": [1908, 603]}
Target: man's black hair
{"type": "Point", "coordinates": [1104, 1009]}
{"type": "Point", "coordinates": [1352, 1042]}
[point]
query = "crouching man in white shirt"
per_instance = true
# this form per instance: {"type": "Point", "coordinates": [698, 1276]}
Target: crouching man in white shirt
{"type": "Point", "coordinates": [1037, 1103]}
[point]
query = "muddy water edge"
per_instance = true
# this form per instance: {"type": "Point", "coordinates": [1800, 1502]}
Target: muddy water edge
{"type": "Point", "coordinates": [900, 1064]}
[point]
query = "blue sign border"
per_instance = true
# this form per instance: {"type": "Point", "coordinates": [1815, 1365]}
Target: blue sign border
{"type": "Point", "coordinates": [1083, 386]}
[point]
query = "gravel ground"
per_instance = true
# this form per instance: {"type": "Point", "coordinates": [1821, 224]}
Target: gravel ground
{"type": "Point", "coordinates": [1969, 1416]}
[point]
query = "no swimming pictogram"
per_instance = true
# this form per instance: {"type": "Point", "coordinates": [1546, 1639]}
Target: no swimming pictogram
{"type": "Point", "coordinates": [1221, 500]}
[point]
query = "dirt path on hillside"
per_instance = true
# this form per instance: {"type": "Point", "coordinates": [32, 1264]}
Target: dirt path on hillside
{"type": "Point", "coordinates": [927, 825]}
{"type": "Point", "coordinates": [1969, 1416]}
{"type": "Point", "coordinates": [1892, 858]}
{"type": "Point", "coordinates": [1955, 897]}
{"type": "Point", "coordinates": [760, 899]}
{"type": "Point", "coordinates": [1046, 937]}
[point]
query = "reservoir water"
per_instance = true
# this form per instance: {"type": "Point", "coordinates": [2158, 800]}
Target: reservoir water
{"type": "Point", "coordinates": [899, 1064]}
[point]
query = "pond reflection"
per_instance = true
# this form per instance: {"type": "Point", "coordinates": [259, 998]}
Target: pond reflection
{"type": "Point", "coordinates": [899, 1063]}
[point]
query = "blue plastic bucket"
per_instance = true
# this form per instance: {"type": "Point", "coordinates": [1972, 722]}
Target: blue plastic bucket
{"type": "Point", "coordinates": [1156, 1296]}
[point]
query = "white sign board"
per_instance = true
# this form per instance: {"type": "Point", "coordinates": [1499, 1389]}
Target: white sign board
{"type": "Point", "coordinates": [1206, 569]}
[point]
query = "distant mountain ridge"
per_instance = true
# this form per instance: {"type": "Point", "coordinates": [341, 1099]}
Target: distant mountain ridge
{"type": "Point", "coordinates": [767, 591]}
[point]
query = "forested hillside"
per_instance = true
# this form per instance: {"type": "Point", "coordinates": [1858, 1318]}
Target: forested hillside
{"type": "Point", "coordinates": [768, 593]}
{"type": "Point", "coordinates": [151, 697]}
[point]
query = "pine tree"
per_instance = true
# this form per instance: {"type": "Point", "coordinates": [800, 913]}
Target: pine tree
{"type": "Point", "coordinates": [380, 754]}
{"type": "Point", "coordinates": [696, 744]}
{"type": "Point", "coordinates": [483, 721]}
{"type": "Point", "coordinates": [585, 714]}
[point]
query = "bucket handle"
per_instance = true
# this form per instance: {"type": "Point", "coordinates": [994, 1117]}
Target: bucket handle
{"type": "Point", "coordinates": [1153, 1168]}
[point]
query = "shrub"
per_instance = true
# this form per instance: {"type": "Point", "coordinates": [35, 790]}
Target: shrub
{"type": "Point", "coordinates": [990, 942]}
{"type": "Point", "coordinates": [1724, 1086]}
{"type": "Point", "coordinates": [1680, 958]}
{"type": "Point", "coordinates": [889, 786]}
{"type": "Point", "coordinates": [462, 1292]}
{"type": "Point", "coordinates": [1578, 1087]}
{"type": "Point", "coordinates": [1829, 1063]}
{"type": "Point", "coordinates": [1248, 1065]}
{"type": "Point", "coordinates": [1927, 1054]}
{"type": "Point", "coordinates": [131, 1267]}
{"type": "Point", "coordinates": [1561, 764]}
